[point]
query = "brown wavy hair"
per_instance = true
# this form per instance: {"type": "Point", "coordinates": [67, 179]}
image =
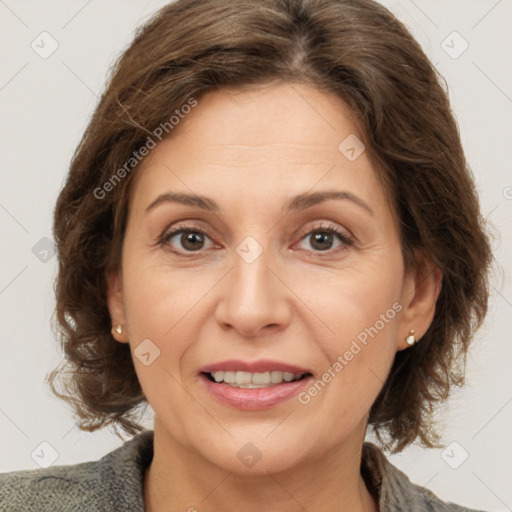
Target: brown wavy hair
{"type": "Point", "coordinates": [354, 48]}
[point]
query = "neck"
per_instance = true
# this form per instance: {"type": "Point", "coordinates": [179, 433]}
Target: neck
{"type": "Point", "coordinates": [181, 479]}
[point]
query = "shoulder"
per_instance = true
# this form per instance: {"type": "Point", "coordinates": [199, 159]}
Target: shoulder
{"type": "Point", "coordinates": [57, 488]}
{"type": "Point", "coordinates": [115, 482]}
{"type": "Point", "coordinates": [394, 489]}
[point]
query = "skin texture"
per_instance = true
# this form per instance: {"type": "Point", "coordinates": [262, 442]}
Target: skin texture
{"type": "Point", "coordinates": [251, 151]}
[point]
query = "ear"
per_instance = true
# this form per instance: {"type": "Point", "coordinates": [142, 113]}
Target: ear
{"type": "Point", "coordinates": [422, 285]}
{"type": "Point", "coordinates": [116, 306]}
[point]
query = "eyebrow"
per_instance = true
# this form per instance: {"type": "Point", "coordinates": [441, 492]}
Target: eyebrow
{"type": "Point", "coordinates": [296, 203]}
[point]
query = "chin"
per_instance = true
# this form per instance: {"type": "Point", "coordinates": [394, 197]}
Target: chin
{"type": "Point", "coordinates": [257, 454]}
{"type": "Point", "coordinates": [250, 461]}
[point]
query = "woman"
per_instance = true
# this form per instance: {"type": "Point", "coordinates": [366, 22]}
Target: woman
{"type": "Point", "coordinates": [268, 233]}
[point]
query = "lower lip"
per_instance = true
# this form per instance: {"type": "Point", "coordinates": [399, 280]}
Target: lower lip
{"type": "Point", "coordinates": [255, 399]}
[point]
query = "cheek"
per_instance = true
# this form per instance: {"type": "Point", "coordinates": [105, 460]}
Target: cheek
{"type": "Point", "coordinates": [353, 299]}
{"type": "Point", "coordinates": [162, 306]}
{"type": "Point", "coordinates": [156, 296]}
{"type": "Point", "coordinates": [165, 306]}
{"type": "Point", "coordinates": [361, 311]}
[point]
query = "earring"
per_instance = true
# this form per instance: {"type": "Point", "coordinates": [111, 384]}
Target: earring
{"type": "Point", "coordinates": [410, 340]}
{"type": "Point", "coordinates": [119, 329]}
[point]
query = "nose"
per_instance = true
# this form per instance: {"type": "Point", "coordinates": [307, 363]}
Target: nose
{"type": "Point", "coordinates": [255, 299]}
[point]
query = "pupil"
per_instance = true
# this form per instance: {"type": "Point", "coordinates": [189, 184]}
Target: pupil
{"type": "Point", "coordinates": [322, 238]}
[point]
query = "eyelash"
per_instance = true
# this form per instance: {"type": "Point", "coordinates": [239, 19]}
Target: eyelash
{"type": "Point", "coordinates": [183, 228]}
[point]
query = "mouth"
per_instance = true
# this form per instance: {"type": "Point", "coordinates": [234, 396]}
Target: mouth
{"type": "Point", "coordinates": [250, 380]}
{"type": "Point", "coordinates": [255, 385]}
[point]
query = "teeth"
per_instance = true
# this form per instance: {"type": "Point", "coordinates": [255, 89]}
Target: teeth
{"type": "Point", "coordinates": [254, 380]}
{"type": "Point", "coordinates": [261, 378]}
{"type": "Point", "coordinates": [276, 377]}
{"type": "Point", "coordinates": [242, 378]}
{"type": "Point", "coordinates": [229, 377]}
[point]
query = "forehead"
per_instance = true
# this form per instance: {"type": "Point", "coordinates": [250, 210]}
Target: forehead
{"type": "Point", "coordinates": [279, 137]}
{"type": "Point", "coordinates": [278, 112]}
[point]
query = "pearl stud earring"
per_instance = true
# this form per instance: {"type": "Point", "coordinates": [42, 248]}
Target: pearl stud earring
{"type": "Point", "coordinates": [410, 339]}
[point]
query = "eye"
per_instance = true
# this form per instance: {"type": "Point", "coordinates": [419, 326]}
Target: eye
{"type": "Point", "coordinates": [189, 238]}
{"type": "Point", "coordinates": [322, 238]}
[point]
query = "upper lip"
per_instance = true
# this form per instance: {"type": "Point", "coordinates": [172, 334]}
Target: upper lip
{"type": "Point", "coordinates": [259, 366]}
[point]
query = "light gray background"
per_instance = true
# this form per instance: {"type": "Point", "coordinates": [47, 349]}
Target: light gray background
{"type": "Point", "coordinates": [45, 105]}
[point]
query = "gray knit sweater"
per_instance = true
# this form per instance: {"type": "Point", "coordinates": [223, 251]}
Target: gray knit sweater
{"type": "Point", "coordinates": [116, 483]}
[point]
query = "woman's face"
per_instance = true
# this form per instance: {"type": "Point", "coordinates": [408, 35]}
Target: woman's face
{"type": "Point", "coordinates": [251, 279]}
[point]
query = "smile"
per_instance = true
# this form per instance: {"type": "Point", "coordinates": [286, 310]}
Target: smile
{"type": "Point", "coordinates": [241, 379]}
